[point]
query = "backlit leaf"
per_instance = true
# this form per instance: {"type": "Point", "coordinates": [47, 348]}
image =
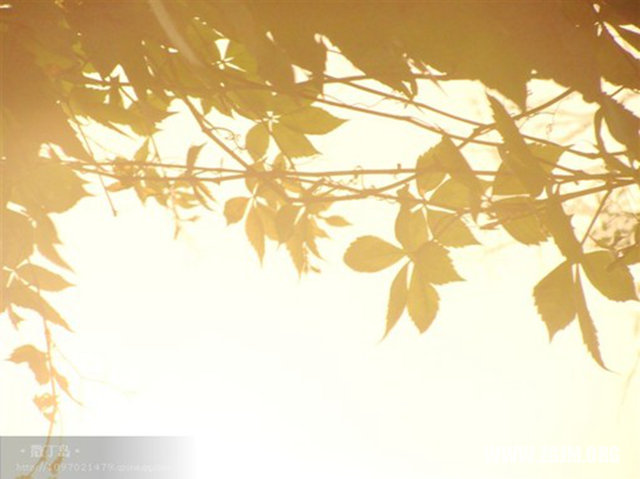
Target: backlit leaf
{"type": "Point", "coordinates": [311, 121]}
{"type": "Point", "coordinates": [411, 228]}
{"type": "Point", "coordinates": [22, 296]}
{"type": "Point", "coordinates": [622, 124]}
{"type": "Point", "coordinates": [234, 209]}
{"type": "Point", "coordinates": [42, 278]}
{"type": "Point", "coordinates": [449, 230]}
{"type": "Point", "coordinates": [554, 298]}
{"type": "Point", "coordinates": [422, 302]}
{"type": "Point", "coordinates": [613, 280]}
{"type": "Point", "coordinates": [192, 155]}
{"type": "Point", "coordinates": [35, 359]}
{"type": "Point", "coordinates": [257, 141]}
{"type": "Point", "coordinates": [369, 254]}
{"type": "Point", "coordinates": [429, 173]}
{"type": "Point", "coordinates": [587, 327]}
{"type": "Point", "coordinates": [17, 238]}
{"type": "Point", "coordinates": [559, 225]}
{"type": "Point", "coordinates": [255, 232]}
{"type": "Point", "coordinates": [434, 264]}
{"type": "Point", "coordinates": [285, 220]}
{"type": "Point", "coordinates": [292, 143]}
{"type": "Point", "coordinates": [397, 298]}
{"type": "Point", "coordinates": [521, 219]}
{"type": "Point", "coordinates": [517, 155]}
{"type": "Point", "coordinates": [335, 220]}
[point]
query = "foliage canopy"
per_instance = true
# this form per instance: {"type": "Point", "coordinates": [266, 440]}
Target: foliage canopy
{"type": "Point", "coordinates": [127, 66]}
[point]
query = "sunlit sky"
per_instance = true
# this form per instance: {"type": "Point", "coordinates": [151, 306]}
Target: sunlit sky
{"type": "Point", "coordinates": [276, 376]}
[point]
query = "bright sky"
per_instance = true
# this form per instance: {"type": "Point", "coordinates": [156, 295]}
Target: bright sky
{"type": "Point", "coordinates": [280, 377]}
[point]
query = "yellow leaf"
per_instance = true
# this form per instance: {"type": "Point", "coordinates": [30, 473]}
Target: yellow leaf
{"type": "Point", "coordinates": [422, 302]}
{"type": "Point", "coordinates": [612, 280]}
{"type": "Point", "coordinates": [554, 298]}
{"type": "Point", "coordinates": [411, 228]}
{"type": "Point", "coordinates": [255, 232]}
{"type": "Point", "coordinates": [369, 254]}
{"type": "Point", "coordinates": [234, 209]}
{"type": "Point", "coordinates": [42, 278]}
{"type": "Point", "coordinates": [397, 298]}
{"type": "Point", "coordinates": [35, 359]}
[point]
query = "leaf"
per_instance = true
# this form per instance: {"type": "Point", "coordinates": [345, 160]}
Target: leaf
{"type": "Point", "coordinates": [285, 221]}
{"type": "Point", "coordinates": [429, 173]}
{"type": "Point", "coordinates": [17, 237]}
{"type": "Point", "coordinates": [397, 298]}
{"type": "Point", "coordinates": [255, 232]}
{"type": "Point", "coordinates": [42, 278]}
{"type": "Point", "coordinates": [517, 155]}
{"type": "Point", "coordinates": [622, 124]}
{"type": "Point", "coordinates": [521, 219]}
{"type": "Point", "coordinates": [434, 264]}
{"type": "Point", "coordinates": [62, 381]}
{"type": "Point", "coordinates": [292, 143]}
{"type": "Point", "coordinates": [46, 237]}
{"type": "Point", "coordinates": [35, 359]}
{"type": "Point", "coordinates": [449, 230]}
{"type": "Point", "coordinates": [422, 302]}
{"type": "Point", "coordinates": [558, 224]}
{"type": "Point", "coordinates": [411, 228]}
{"type": "Point", "coordinates": [257, 141]}
{"type": "Point", "coordinates": [49, 186]}
{"type": "Point", "coordinates": [613, 281]}
{"type": "Point", "coordinates": [234, 209]}
{"type": "Point", "coordinates": [452, 194]}
{"type": "Point", "coordinates": [192, 156]}
{"type": "Point", "coordinates": [311, 121]}
{"type": "Point", "coordinates": [587, 327]}
{"type": "Point", "coordinates": [448, 156]}
{"type": "Point", "coordinates": [22, 296]}
{"type": "Point", "coordinates": [337, 221]}
{"type": "Point", "coordinates": [554, 298]}
{"type": "Point", "coordinates": [268, 218]}
{"type": "Point", "coordinates": [369, 254]}
{"type": "Point", "coordinates": [507, 183]}
{"type": "Point", "coordinates": [297, 251]}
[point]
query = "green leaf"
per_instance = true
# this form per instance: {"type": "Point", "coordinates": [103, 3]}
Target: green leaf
{"type": "Point", "coordinates": [422, 302]}
{"type": "Point", "coordinates": [311, 121]}
{"type": "Point", "coordinates": [397, 298]}
{"type": "Point", "coordinates": [35, 359]}
{"type": "Point", "coordinates": [587, 327]}
{"type": "Point", "coordinates": [257, 141]}
{"type": "Point", "coordinates": [554, 298]}
{"type": "Point", "coordinates": [369, 254]}
{"type": "Point", "coordinates": [255, 232]}
{"type": "Point", "coordinates": [42, 278]}
{"type": "Point", "coordinates": [449, 230]}
{"type": "Point", "coordinates": [434, 264]}
{"type": "Point", "coordinates": [517, 155]}
{"type": "Point", "coordinates": [429, 173]}
{"type": "Point", "coordinates": [411, 228]}
{"type": "Point", "coordinates": [234, 209]}
{"type": "Point", "coordinates": [613, 279]}
{"type": "Point", "coordinates": [292, 143]}
{"type": "Point", "coordinates": [192, 156]}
